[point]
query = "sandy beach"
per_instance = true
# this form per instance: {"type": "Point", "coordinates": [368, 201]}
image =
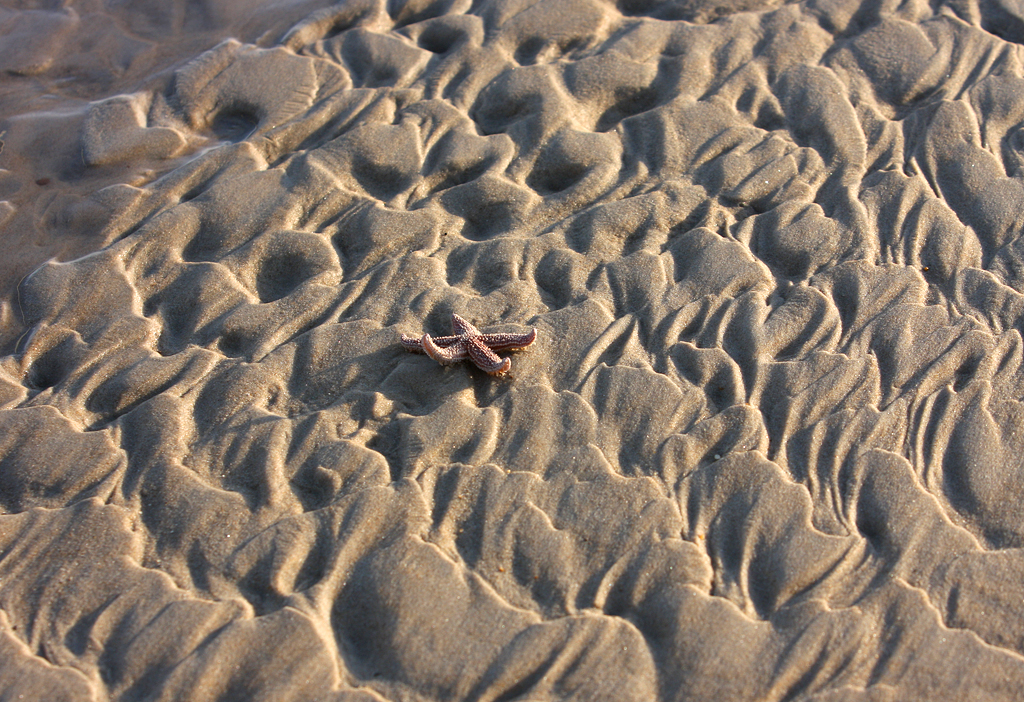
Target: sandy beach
{"type": "Point", "coordinates": [767, 443]}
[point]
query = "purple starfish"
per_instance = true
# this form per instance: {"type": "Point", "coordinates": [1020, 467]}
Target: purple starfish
{"type": "Point", "coordinates": [468, 342]}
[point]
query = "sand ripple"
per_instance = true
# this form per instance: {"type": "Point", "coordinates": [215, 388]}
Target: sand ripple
{"type": "Point", "coordinates": [767, 445]}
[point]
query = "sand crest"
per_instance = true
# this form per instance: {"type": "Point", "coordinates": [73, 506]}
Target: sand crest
{"type": "Point", "coordinates": [766, 445]}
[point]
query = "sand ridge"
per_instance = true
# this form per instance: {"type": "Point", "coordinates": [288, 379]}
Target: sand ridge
{"type": "Point", "coordinates": [765, 445]}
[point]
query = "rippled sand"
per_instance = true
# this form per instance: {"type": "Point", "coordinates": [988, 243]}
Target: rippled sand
{"type": "Point", "coordinates": [768, 444]}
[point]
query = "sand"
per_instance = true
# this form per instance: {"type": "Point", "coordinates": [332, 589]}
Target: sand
{"type": "Point", "coordinates": [767, 446]}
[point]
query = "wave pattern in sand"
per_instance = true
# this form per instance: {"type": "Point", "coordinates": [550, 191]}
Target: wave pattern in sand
{"type": "Point", "coordinates": [767, 445]}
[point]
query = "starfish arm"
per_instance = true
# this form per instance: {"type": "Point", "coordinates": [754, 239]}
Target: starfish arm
{"type": "Point", "coordinates": [413, 344]}
{"type": "Point", "coordinates": [445, 341]}
{"type": "Point", "coordinates": [460, 327]}
{"type": "Point", "coordinates": [444, 355]}
{"type": "Point", "coordinates": [485, 359]}
{"type": "Point", "coordinates": [506, 342]}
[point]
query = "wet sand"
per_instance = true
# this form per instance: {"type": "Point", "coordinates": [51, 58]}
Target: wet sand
{"type": "Point", "coordinates": [766, 446]}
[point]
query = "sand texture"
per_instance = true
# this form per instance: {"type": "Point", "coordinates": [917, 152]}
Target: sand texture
{"type": "Point", "coordinates": [768, 445]}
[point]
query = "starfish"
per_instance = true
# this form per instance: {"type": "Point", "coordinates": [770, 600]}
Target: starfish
{"type": "Point", "coordinates": [468, 342]}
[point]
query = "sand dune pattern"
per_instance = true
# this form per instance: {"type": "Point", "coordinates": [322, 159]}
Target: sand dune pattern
{"type": "Point", "coordinates": [768, 444]}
